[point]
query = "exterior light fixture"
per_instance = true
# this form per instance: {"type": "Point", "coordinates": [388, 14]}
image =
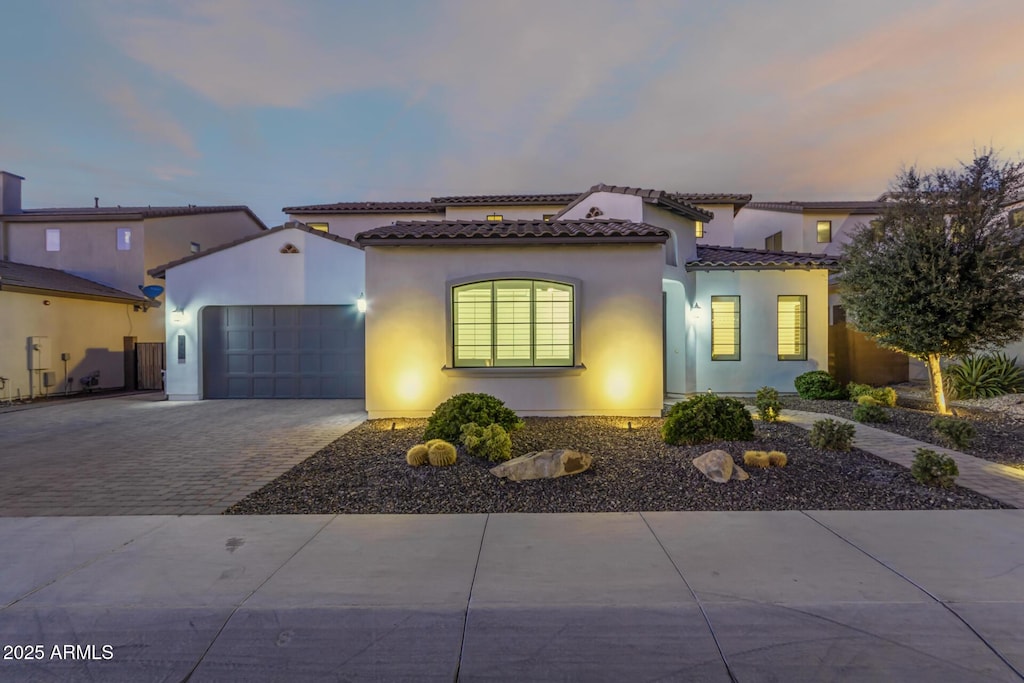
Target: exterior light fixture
{"type": "Point", "coordinates": [361, 303]}
{"type": "Point", "coordinates": [695, 312]}
{"type": "Point", "coordinates": [177, 316]}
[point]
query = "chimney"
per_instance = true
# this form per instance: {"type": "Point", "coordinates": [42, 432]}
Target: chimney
{"type": "Point", "coordinates": [96, 202]}
{"type": "Point", "coordinates": [10, 193]}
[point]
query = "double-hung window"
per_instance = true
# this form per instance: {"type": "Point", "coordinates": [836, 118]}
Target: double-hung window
{"type": "Point", "coordinates": [792, 310]}
{"type": "Point", "coordinates": [725, 328]}
{"type": "Point", "coordinates": [513, 323]}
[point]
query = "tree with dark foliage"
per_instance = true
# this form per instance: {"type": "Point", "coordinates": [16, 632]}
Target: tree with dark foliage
{"type": "Point", "coordinates": [941, 272]}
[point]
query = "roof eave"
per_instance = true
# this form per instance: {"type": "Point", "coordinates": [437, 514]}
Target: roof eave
{"type": "Point", "coordinates": [45, 291]}
{"type": "Point", "coordinates": [507, 241]}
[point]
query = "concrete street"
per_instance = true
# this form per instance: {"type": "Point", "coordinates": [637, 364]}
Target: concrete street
{"type": "Point", "coordinates": [670, 596]}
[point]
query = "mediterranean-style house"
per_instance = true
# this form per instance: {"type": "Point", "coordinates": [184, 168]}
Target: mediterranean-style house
{"type": "Point", "coordinates": [600, 302]}
{"type": "Point", "coordinates": [71, 284]}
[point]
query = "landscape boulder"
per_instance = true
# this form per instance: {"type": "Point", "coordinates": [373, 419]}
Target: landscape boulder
{"type": "Point", "coordinates": [546, 464]}
{"type": "Point", "coordinates": [717, 465]}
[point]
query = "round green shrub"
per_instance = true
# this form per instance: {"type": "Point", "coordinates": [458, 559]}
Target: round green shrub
{"type": "Point", "coordinates": [932, 469]}
{"type": "Point", "coordinates": [491, 442]}
{"type": "Point", "coordinates": [832, 435]}
{"type": "Point", "coordinates": [870, 413]}
{"type": "Point", "coordinates": [441, 454]}
{"type": "Point", "coordinates": [447, 419]}
{"type": "Point", "coordinates": [957, 433]}
{"type": "Point", "coordinates": [707, 418]}
{"type": "Point", "coordinates": [818, 384]}
{"type": "Point", "coordinates": [768, 404]}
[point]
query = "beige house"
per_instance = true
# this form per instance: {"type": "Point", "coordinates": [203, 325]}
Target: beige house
{"type": "Point", "coordinates": [111, 247]}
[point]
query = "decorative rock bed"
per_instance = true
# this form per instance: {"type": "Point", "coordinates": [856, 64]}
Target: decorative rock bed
{"type": "Point", "coordinates": [365, 471]}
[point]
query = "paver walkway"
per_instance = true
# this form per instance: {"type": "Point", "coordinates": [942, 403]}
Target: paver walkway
{"type": "Point", "coordinates": [139, 454]}
{"type": "Point", "coordinates": [1005, 484]}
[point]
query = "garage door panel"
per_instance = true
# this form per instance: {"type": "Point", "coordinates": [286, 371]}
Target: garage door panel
{"type": "Point", "coordinates": [283, 352]}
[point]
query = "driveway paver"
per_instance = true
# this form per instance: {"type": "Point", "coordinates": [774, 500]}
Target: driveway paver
{"type": "Point", "coordinates": [140, 455]}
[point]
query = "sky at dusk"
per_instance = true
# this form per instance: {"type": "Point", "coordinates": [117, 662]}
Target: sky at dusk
{"type": "Point", "coordinates": [274, 103]}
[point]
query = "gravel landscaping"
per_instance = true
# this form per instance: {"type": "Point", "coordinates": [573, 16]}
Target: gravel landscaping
{"type": "Point", "coordinates": [365, 472]}
{"type": "Point", "coordinates": [1000, 432]}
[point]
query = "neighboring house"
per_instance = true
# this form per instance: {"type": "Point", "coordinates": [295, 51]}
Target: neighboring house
{"type": "Point", "coordinates": [595, 303]}
{"type": "Point", "coordinates": [112, 246]}
{"type": "Point", "coordinates": [271, 315]}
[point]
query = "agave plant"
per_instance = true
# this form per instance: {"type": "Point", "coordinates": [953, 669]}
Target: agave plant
{"type": "Point", "coordinates": [984, 376]}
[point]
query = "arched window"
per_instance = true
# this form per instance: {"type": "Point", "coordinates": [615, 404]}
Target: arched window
{"type": "Point", "coordinates": [513, 323]}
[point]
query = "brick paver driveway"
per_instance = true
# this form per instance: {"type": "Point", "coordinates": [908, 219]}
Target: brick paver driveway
{"type": "Point", "coordinates": [139, 454]}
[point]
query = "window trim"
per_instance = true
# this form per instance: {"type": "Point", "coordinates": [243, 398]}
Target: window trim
{"type": "Point", "coordinates": [778, 327]}
{"type": "Point", "coordinates": [52, 239]}
{"type": "Point", "coordinates": [519, 371]}
{"type": "Point", "coordinates": [738, 328]}
{"type": "Point", "coordinates": [817, 227]}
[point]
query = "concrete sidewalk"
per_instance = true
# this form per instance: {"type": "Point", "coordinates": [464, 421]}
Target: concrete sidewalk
{"type": "Point", "coordinates": [674, 596]}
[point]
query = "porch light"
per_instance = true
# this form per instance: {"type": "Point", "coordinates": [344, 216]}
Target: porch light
{"type": "Point", "coordinates": [177, 316]}
{"type": "Point", "coordinates": [695, 312]}
{"type": "Point", "coordinates": [361, 303]}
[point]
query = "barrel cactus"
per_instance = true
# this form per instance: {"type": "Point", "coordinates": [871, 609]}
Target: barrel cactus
{"type": "Point", "coordinates": [441, 454]}
{"type": "Point", "coordinates": [756, 459]}
{"type": "Point", "coordinates": [777, 458]}
{"type": "Point", "coordinates": [417, 455]}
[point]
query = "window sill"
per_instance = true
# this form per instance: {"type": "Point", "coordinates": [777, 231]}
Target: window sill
{"type": "Point", "coordinates": [561, 371]}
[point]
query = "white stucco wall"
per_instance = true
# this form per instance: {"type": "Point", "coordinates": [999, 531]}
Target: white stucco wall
{"type": "Point", "coordinates": [619, 319]}
{"type": "Point", "coordinates": [759, 365]}
{"type": "Point", "coordinates": [324, 272]}
{"type": "Point", "coordinates": [91, 332]}
{"type": "Point", "coordinates": [720, 231]}
{"type": "Point", "coordinates": [623, 207]}
{"type": "Point", "coordinates": [843, 225]}
{"type": "Point", "coordinates": [752, 226]}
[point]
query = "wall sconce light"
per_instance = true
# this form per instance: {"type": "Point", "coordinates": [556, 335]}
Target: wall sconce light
{"type": "Point", "coordinates": [361, 303]}
{"type": "Point", "coordinates": [695, 312]}
{"type": "Point", "coordinates": [177, 316]}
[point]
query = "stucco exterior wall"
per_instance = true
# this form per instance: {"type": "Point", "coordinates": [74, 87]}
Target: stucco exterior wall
{"type": "Point", "coordinates": [619, 318]}
{"type": "Point", "coordinates": [91, 332]}
{"type": "Point", "coordinates": [752, 226]}
{"type": "Point", "coordinates": [759, 365]}
{"type": "Point", "coordinates": [623, 207]}
{"type": "Point", "coordinates": [87, 249]}
{"type": "Point", "coordinates": [324, 272]}
{"type": "Point", "coordinates": [843, 225]}
{"type": "Point", "coordinates": [720, 231]}
{"type": "Point", "coordinates": [349, 225]}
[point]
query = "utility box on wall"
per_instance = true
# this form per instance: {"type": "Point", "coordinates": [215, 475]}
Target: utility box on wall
{"type": "Point", "coordinates": [39, 353]}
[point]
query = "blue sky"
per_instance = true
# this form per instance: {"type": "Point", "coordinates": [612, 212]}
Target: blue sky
{"type": "Point", "coordinates": [273, 103]}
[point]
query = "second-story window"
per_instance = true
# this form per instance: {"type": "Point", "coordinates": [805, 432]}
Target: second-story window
{"type": "Point", "coordinates": [53, 239]}
{"type": "Point", "coordinates": [773, 242]}
{"type": "Point", "coordinates": [124, 239]}
{"type": "Point", "coordinates": [494, 217]}
{"type": "Point", "coordinates": [322, 227]}
{"type": "Point", "coordinates": [698, 229]}
{"type": "Point", "coordinates": [824, 231]}
{"type": "Point", "coordinates": [193, 247]}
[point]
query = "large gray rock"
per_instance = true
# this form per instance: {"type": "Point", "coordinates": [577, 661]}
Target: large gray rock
{"type": "Point", "coordinates": [717, 465]}
{"type": "Point", "coordinates": [544, 465]}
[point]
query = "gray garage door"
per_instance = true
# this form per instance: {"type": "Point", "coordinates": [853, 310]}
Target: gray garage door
{"type": "Point", "coordinates": [283, 352]}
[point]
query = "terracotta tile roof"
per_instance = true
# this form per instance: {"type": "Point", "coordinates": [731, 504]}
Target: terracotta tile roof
{"type": "Point", "coordinates": [852, 207]}
{"type": "Point", "coordinates": [736, 258]}
{"type": "Point", "coordinates": [507, 199]}
{"type": "Point", "coordinates": [520, 232]}
{"type": "Point", "coordinates": [160, 271]}
{"type": "Point", "coordinates": [136, 213]}
{"type": "Point", "coordinates": [368, 207]}
{"type": "Point", "coordinates": [711, 198]}
{"type": "Point", "coordinates": [21, 277]}
{"type": "Point", "coordinates": [658, 197]}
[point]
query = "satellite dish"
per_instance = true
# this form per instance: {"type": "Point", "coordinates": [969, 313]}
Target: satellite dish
{"type": "Point", "coordinates": [152, 291]}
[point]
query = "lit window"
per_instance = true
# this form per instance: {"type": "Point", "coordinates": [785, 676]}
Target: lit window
{"type": "Point", "coordinates": [773, 242]}
{"type": "Point", "coordinates": [194, 247]}
{"type": "Point", "coordinates": [124, 239]}
{"type": "Point", "coordinates": [513, 323]}
{"type": "Point", "coordinates": [824, 231]}
{"type": "Point", "coordinates": [725, 328]}
{"type": "Point", "coordinates": [322, 227]}
{"type": "Point", "coordinates": [53, 239]}
{"type": "Point", "coordinates": [495, 217]}
{"type": "Point", "coordinates": [792, 327]}
{"type": "Point", "coordinates": [548, 217]}
{"type": "Point", "coordinates": [699, 229]}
